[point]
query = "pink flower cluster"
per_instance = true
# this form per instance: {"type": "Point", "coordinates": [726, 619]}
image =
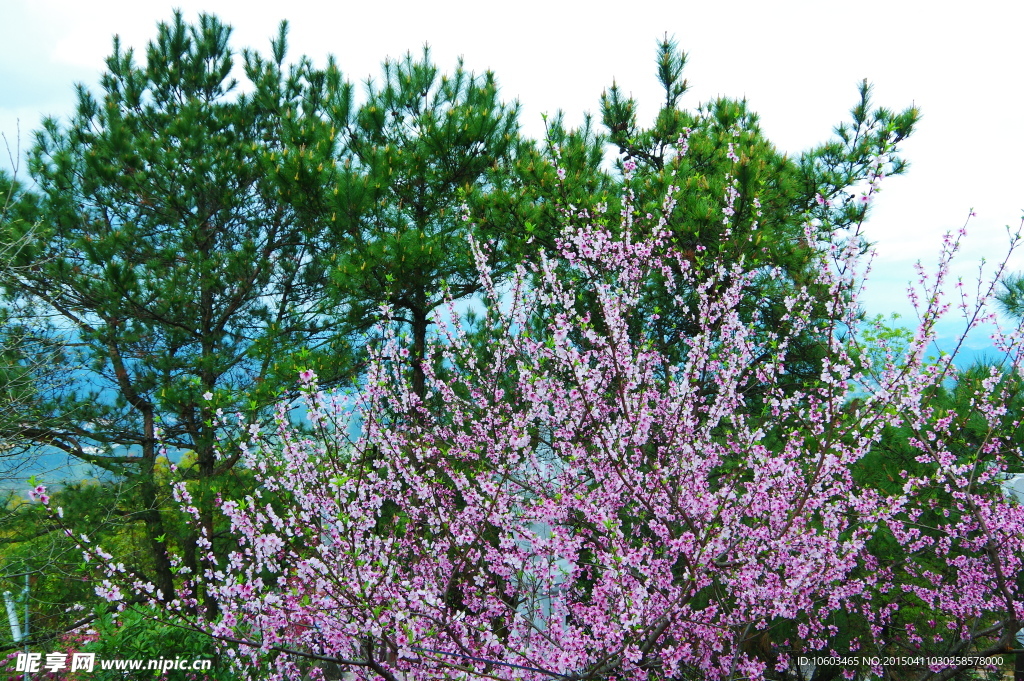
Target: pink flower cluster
{"type": "Point", "coordinates": [38, 493]}
{"type": "Point", "coordinates": [573, 504]}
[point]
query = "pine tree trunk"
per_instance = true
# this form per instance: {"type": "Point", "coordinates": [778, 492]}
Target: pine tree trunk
{"type": "Point", "coordinates": [155, 533]}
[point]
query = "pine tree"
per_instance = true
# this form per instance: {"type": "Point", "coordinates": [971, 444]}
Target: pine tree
{"type": "Point", "coordinates": [421, 161]}
{"type": "Point", "coordinates": [1011, 297]}
{"type": "Point", "coordinates": [740, 200]}
{"type": "Point", "coordinates": [168, 253]}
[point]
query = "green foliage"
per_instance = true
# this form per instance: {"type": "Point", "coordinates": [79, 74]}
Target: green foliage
{"type": "Point", "coordinates": [19, 213]}
{"type": "Point", "coordinates": [31, 541]}
{"type": "Point", "coordinates": [1011, 297]}
{"type": "Point", "coordinates": [139, 633]}
{"type": "Point", "coordinates": [883, 343]}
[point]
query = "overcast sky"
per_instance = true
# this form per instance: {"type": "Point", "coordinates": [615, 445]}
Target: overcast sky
{"type": "Point", "coordinates": [797, 62]}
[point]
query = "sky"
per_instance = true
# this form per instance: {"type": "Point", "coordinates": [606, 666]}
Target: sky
{"type": "Point", "coordinates": [797, 63]}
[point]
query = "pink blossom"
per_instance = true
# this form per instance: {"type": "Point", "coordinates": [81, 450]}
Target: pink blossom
{"type": "Point", "coordinates": [587, 505]}
{"type": "Point", "coordinates": [38, 493]}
